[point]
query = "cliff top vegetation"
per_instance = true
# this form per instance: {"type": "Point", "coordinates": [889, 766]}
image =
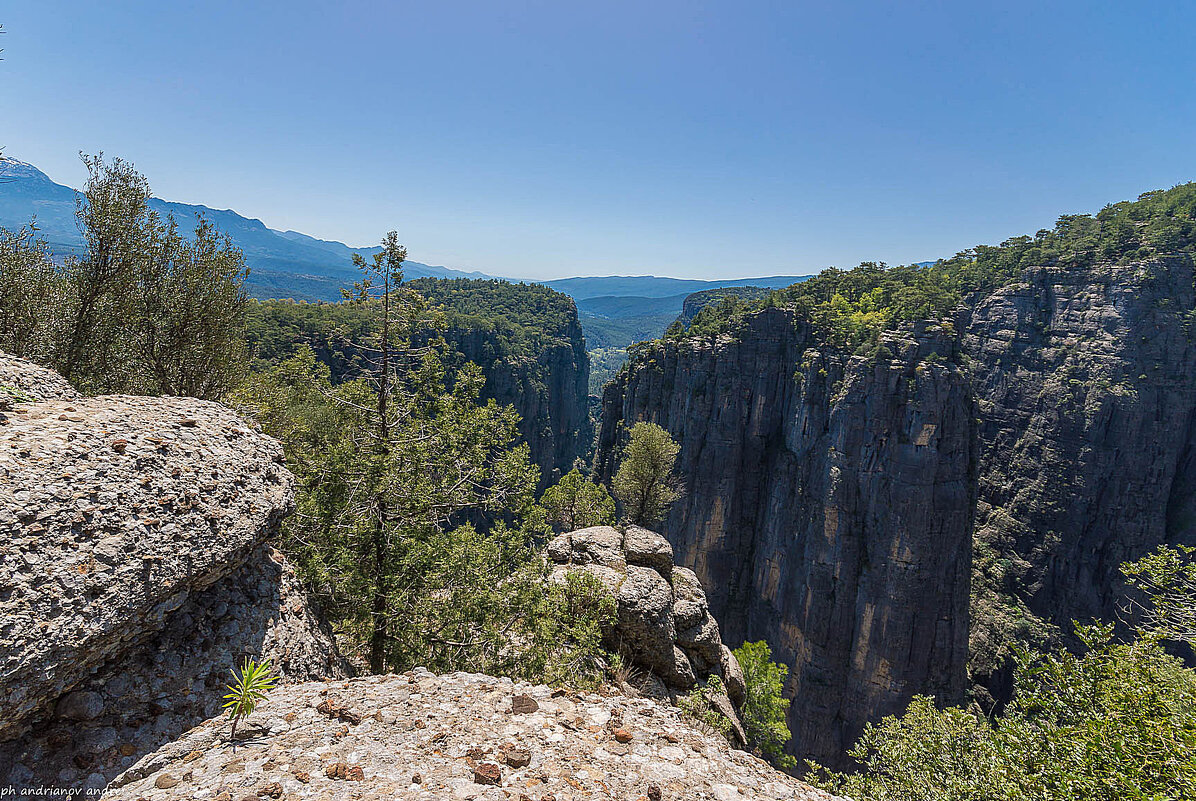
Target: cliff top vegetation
{"type": "Point", "coordinates": [851, 307]}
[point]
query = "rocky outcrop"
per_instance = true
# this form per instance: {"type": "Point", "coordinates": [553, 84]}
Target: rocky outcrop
{"type": "Point", "coordinates": [827, 508]}
{"type": "Point", "coordinates": [831, 501]}
{"type": "Point", "coordinates": [664, 624]}
{"type": "Point", "coordinates": [133, 574]}
{"type": "Point", "coordinates": [459, 736]}
{"type": "Point", "coordinates": [22, 381]}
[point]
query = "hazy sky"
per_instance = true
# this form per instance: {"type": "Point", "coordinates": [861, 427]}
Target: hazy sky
{"type": "Point", "coordinates": [542, 139]}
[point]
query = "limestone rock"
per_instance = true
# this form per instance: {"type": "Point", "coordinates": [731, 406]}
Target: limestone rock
{"type": "Point", "coordinates": [22, 381]}
{"type": "Point", "coordinates": [831, 499]}
{"type": "Point", "coordinates": [648, 549]}
{"type": "Point", "coordinates": [646, 628]}
{"type": "Point", "coordinates": [826, 508]}
{"type": "Point", "coordinates": [664, 623]}
{"type": "Point", "coordinates": [135, 573]}
{"type": "Point", "coordinates": [100, 545]}
{"type": "Point", "coordinates": [453, 732]}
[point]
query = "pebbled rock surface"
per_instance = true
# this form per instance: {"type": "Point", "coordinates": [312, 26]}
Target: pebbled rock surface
{"type": "Point", "coordinates": [664, 623]}
{"type": "Point", "coordinates": [458, 736]}
{"type": "Point", "coordinates": [113, 510]}
{"type": "Point", "coordinates": [133, 573]}
{"type": "Point", "coordinates": [156, 691]}
{"type": "Point", "coordinates": [827, 509]}
{"type": "Point", "coordinates": [22, 381]}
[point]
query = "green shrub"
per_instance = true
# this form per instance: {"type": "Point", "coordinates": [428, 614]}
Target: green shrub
{"type": "Point", "coordinates": [698, 705]}
{"type": "Point", "coordinates": [1116, 721]}
{"type": "Point", "coordinates": [644, 483]}
{"type": "Point", "coordinates": [575, 502]}
{"type": "Point", "coordinates": [249, 688]}
{"type": "Point", "coordinates": [765, 709]}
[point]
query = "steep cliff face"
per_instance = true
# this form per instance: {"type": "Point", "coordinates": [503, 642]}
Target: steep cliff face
{"type": "Point", "coordinates": [549, 388]}
{"type": "Point", "coordinates": [526, 338]}
{"type": "Point", "coordinates": [1085, 382]}
{"type": "Point", "coordinates": [827, 508]}
{"type": "Point", "coordinates": [835, 507]}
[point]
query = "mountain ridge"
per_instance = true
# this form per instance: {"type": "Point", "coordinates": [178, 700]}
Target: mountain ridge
{"type": "Point", "coordinates": [292, 264]}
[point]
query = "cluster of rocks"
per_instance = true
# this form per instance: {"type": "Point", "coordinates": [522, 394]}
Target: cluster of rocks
{"type": "Point", "coordinates": [133, 574]}
{"type": "Point", "coordinates": [664, 624]}
{"type": "Point", "coordinates": [459, 736]}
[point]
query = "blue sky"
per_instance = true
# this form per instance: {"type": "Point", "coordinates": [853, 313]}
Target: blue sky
{"type": "Point", "coordinates": [544, 139]}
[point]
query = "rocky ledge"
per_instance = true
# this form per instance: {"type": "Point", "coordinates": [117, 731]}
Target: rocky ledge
{"type": "Point", "coordinates": [459, 736]}
{"type": "Point", "coordinates": [664, 625]}
{"type": "Point", "coordinates": [133, 574]}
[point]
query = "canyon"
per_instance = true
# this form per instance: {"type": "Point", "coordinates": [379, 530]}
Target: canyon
{"type": "Point", "coordinates": [892, 521]}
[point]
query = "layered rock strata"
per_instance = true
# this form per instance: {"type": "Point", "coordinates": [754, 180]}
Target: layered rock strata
{"type": "Point", "coordinates": [831, 499]}
{"type": "Point", "coordinates": [1085, 386]}
{"type": "Point", "coordinates": [827, 508]}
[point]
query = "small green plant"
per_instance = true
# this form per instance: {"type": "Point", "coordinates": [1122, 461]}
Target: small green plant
{"type": "Point", "coordinates": [698, 705]}
{"type": "Point", "coordinates": [252, 684]}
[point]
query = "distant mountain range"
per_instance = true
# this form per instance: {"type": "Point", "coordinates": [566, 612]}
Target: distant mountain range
{"type": "Point", "coordinates": [289, 264]}
{"type": "Point", "coordinates": [284, 264]}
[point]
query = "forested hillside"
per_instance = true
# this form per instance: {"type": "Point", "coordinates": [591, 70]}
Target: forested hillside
{"type": "Point", "coordinates": [525, 337]}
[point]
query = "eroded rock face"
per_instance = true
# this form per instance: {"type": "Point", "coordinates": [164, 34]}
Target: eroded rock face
{"type": "Point", "coordinates": [133, 573]}
{"type": "Point", "coordinates": [459, 736]}
{"type": "Point", "coordinates": [550, 392]}
{"type": "Point", "coordinates": [156, 691]}
{"type": "Point", "coordinates": [830, 500]}
{"type": "Point", "coordinates": [1085, 383]}
{"type": "Point", "coordinates": [113, 511]}
{"type": "Point", "coordinates": [827, 509]}
{"type": "Point", "coordinates": [664, 623]}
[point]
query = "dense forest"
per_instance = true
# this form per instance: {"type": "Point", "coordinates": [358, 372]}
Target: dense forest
{"type": "Point", "coordinates": [524, 337]}
{"type": "Point", "coordinates": [518, 319]}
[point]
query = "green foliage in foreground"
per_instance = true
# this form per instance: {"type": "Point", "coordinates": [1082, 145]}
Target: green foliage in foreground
{"type": "Point", "coordinates": [765, 709]}
{"type": "Point", "coordinates": [576, 502]}
{"type": "Point", "coordinates": [644, 483]}
{"type": "Point", "coordinates": [249, 687]}
{"type": "Point", "coordinates": [1168, 579]}
{"type": "Point", "coordinates": [698, 705]}
{"type": "Point", "coordinates": [1117, 721]}
{"type": "Point", "coordinates": [451, 580]}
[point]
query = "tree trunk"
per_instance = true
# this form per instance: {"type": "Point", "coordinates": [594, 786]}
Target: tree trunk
{"type": "Point", "coordinates": [378, 613]}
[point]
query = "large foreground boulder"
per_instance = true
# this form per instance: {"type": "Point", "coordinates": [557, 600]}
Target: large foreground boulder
{"type": "Point", "coordinates": [133, 573]}
{"type": "Point", "coordinates": [664, 624]}
{"type": "Point", "coordinates": [459, 736]}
